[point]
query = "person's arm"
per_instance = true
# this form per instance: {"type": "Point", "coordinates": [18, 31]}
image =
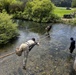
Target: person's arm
{"type": "Point", "coordinates": [36, 43]}
{"type": "Point", "coordinates": [31, 47]}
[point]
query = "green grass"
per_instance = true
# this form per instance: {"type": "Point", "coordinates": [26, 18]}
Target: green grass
{"type": "Point", "coordinates": [60, 11]}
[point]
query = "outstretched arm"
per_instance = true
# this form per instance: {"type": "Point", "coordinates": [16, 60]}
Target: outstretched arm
{"type": "Point", "coordinates": [36, 43]}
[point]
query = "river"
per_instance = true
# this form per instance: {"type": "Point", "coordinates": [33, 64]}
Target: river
{"type": "Point", "coordinates": [52, 57]}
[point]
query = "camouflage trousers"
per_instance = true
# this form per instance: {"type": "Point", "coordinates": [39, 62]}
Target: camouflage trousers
{"type": "Point", "coordinates": [25, 57]}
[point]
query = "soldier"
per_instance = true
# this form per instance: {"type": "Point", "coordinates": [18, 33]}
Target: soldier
{"type": "Point", "coordinates": [48, 29]}
{"type": "Point", "coordinates": [26, 48]}
{"type": "Point", "coordinates": [72, 45]}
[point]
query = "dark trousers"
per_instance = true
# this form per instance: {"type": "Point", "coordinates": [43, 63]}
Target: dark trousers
{"type": "Point", "coordinates": [71, 50]}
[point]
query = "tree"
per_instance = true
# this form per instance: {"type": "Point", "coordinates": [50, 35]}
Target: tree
{"type": "Point", "coordinates": [62, 3]}
{"type": "Point", "coordinates": [5, 4]}
{"type": "Point", "coordinates": [73, 3]}
{"type": "Point", "coordinates": [39, 10]}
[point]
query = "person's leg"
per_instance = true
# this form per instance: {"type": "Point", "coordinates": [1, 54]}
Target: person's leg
{"type": "Point", "coordinates": [25, 59]}
{"type": "Point", "coordinates": [71, 51]}
{"type": "Point", "coordinates": [24, 63]}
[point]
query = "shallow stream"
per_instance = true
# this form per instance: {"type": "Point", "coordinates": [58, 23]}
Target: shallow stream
{"type": "Point", "coordinates": [52, 57]}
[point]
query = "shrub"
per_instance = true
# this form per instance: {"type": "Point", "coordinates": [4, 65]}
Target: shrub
{"type": "Point", "coordinates": [55, 18]}
{"type": "Point", "coordinates": [8, 29]}
{"type": "Point", "coordinates": [73, 22]}
{"type": "Point", "coordinates": [16, 7]}
{"type": "Point", "coordinates": [11, 5]}
{"type": "Point", "coordinates": [38, 10]}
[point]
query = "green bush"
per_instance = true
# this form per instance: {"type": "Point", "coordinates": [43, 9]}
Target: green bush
{"type": "Point", "coordinates": [18, 15]}
{"type": "Point", "coordinates": [11, 5]}
{"type": "Point", "coordinates": [55, 18]}
{"type": "Point", "coordinates": [8, 29]}
{"type": "Point", "coordinates": [16, 7]}
{"type": "Point", "coordinates": [73, 3]}
{"type": "Point", "coordinates": [38, 10]}
{"type": "Point", "coordinates": [73, 22]}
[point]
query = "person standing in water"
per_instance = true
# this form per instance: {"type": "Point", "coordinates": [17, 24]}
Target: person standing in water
{"type": "Point", "coordinates": [48, 28]}
{"type": "Point", "coordinates": [26, 48]}
{"type": "Point", "coordinates": [72, 45]}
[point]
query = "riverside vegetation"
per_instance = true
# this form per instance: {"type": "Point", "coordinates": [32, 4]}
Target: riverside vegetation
{"type": "Point", "coordinates": [8, 29]}
{"type": "Point", "coordinates": [40, 11]}
{"type": "Point", "coordinates": [34, 10]}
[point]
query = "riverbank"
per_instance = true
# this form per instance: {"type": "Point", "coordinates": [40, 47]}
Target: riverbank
{"type": "Point", "coordinates": [71, 21]}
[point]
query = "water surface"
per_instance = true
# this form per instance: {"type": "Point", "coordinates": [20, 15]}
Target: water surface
{"type": "Point", "coordinates": [52, 57]}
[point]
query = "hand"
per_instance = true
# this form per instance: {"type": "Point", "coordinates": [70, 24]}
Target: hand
{"type": "Point", "coordinates": [38, 43]}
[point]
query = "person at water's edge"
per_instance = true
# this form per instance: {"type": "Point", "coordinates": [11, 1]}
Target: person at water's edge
{"type": "Point", "coordinates": [48, 28]}
{"type": "Point", "coordinates": [72, 45]}
{"type": "Point", "coordinates": [26, 48]}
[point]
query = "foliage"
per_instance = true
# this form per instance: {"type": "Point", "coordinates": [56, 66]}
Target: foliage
{"type": "Point", "coordinates": [73, 3]}
{"type": "Point", "coordinates": [9, 4]}
{"type": "Point", "coordinates": [8, 29]}
{"type": "Point", "coordinates": [39, 10]}
{"type": "Point", "coordinates": [62, 3]}
{"type": "Point", "coordinates": [73, 22]}
{"type": "Point", "coordinates": [55, 18]}
{"type": "Point", "coordinates": [16, 7]}
{"type": "Point", "coordinates": [18, 15]}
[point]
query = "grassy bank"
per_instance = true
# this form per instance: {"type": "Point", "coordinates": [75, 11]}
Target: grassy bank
{"type": "Point", "coordinates": [60, 11]}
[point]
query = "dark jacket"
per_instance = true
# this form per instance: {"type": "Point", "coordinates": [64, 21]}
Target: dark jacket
{"type": "Point", "coordinates": [72, 45]}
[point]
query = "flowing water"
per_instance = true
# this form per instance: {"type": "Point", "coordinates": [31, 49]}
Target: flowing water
{"type": "Point", "coordinates": [52, 57]}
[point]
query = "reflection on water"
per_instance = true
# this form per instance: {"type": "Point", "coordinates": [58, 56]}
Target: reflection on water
{"type": "Point", "coordinates": [52, 57]}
